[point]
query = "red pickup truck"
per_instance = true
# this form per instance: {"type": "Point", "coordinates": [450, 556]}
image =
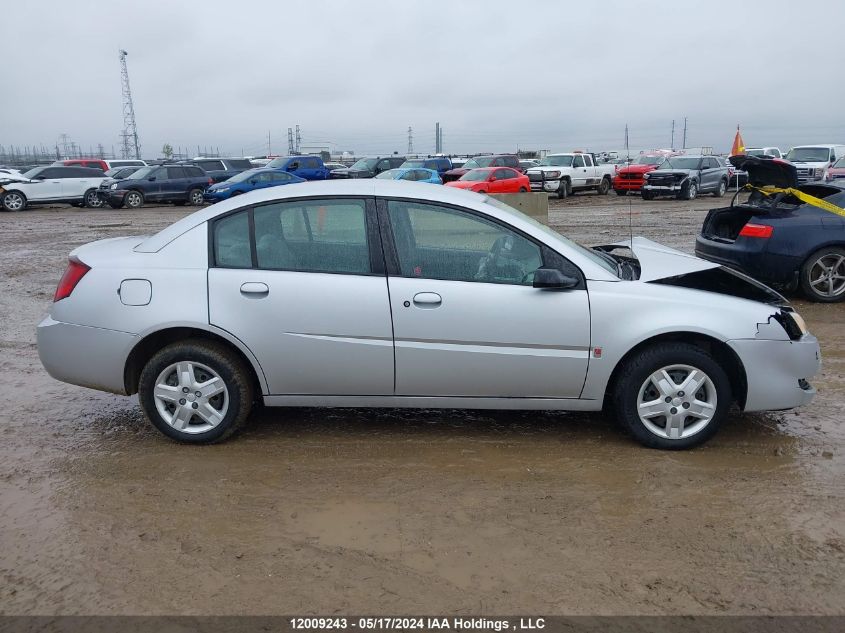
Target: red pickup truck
{"type": "Point", "coordinates": [630, 178]}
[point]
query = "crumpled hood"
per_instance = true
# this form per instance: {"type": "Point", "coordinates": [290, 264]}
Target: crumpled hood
{"type": "Point", "coordinates": [658, 261]}
{"type": "Point", "coordinates": [670, 172]}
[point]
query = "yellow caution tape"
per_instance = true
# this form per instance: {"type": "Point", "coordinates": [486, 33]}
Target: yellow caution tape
{"type": "Point", "coordinates": [802, 196]}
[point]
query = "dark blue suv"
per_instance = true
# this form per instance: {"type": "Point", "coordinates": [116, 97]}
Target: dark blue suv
{"type": "Point", "coordinates": [440, 164]}
{"type": "Point", "coordinates": [179, 184]}
{"type": "Point", "coordinates": [221, 169]}
{"type": "Point", "coordinates": [308, 167]}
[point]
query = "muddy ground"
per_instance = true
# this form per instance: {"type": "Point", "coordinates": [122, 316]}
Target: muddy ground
{"type": "Point", "coordinates": [377, 512]}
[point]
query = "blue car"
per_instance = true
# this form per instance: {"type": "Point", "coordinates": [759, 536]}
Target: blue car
{"type": "Point", "coordinates": [250, 180]}
{"type": "Point", "coordinates": [781, 239]}
{"type": "Point", "coordinates": [412, 173]}
{"type": "Point", "coordinates": [308, 167]}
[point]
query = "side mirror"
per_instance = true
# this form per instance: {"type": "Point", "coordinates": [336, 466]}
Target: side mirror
{"type": "Point", "coordinates": [704, 167]}
{"type": "Point", "coordinates": [151, 178]}
{"type": "Point", "coordinates": [40, 177]}
{"type": "Point", "coordinates": [493, 178]}
{"type": "Point", "coordinates": [553, 279]}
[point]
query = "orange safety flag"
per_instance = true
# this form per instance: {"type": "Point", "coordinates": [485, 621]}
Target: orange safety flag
{"type": "Point", "coordinates": [739, 144]}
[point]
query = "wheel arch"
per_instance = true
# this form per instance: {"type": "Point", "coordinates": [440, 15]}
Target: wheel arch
{"type": "Point", "coordinates": [154, 341]}
{"type": "Point", "coordinates": [721, 352]}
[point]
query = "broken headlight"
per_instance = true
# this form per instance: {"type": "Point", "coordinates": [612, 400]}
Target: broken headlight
{"type": "Point", "coordinates": [793, 324]}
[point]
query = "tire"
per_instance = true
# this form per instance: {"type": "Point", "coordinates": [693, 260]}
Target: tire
{"type": "Point", "coordinates": [14, 201]}
{"type": "Point", "coordinates": [522, 190]}
{"type": "Point", "coordinates": [647, 195]}
{"type": "Point", "coordinates": [195, 197]}
{"type": "Point", "coordinates": [134, 199]}
{"type": "Point", "coordinates": [636, 385]}
{"type": "Point", "coordinates": [604, 187]}
{"type": "Point", "coordinates": [689, 191]}
{"type": "Point", "coordinates": [91, 200]}
{"type": "Point", "coordinates": [721, 190]}
{"type": "Point", "coordinates": [209, 419]}
{"type": "Point", "coordinates": [116, 205]}
{"type": "Point", "coordinates": [564, 190]}
{"type": "Point", "coordinates": [621, 192]}
{"type": "Point", "coordinates": [822, 276]}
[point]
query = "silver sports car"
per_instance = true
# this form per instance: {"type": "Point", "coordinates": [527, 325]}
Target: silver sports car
{"type": "Point", "coordinates": [375, 293]}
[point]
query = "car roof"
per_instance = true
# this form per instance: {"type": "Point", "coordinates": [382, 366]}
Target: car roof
{"type": "Point", "coordinates": [368, 187]}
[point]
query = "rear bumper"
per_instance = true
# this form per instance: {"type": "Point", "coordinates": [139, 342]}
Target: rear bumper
{"type": "Point", "coordinates": [778, 372]}
{"type": "Point", "coordinates": [85, 356]}
{"type": "Point", "coordinates": [759, 264]}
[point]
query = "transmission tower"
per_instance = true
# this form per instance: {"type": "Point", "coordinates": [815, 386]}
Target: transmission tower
{"type": "Point", "coordinates": [290, 141]}
{"type": "Point", "coordinates": [410, 140]}
{"type": "Point", "coordinates": [298, 140]}
{"type": "Point", "coordinates": [129, 136]}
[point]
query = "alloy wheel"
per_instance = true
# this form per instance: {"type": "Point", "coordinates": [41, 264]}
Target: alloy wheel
{"type": "Point", "coordinates": [133, 199]}
{"type": "Point", "coordinates": [191, 397]}
{"type": "Point", "coordinates": [13, 201]}
{"type": "Point", "coordinates": [196, 197]}
{"type": "Point", "coordinates": [677, 401]}
{"type": "Point", "coordinates": [93, 200]}
{"type": "Point", "coordinates": [827, 275]}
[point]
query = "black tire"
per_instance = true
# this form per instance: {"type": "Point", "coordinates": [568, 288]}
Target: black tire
{"type": "Point", "coordinates": [647, 195]}
{"type": "Point", "coordinates": [195, 197]}
{"type": "Point", "coordinates": [633, 377]}
{"type": "Point", "coordinates": [133, 199]}
{"type": "Point", "coordinates": [116, 205]}
{"type": "Point", "coordinates": [522, 190]}
{"type": "Point", "coordinates": [689, 191]}
{"type": "Point", "coordinates": [604, 187]}
{"type": "Point", "coordinates": [564, 190]}
{"type": "Point", "coordinates": [722, 189]}
{"type": "Point", "coordinates": [222, 361]}
{"type": "Point", "coordinates": [809, 270]}
{"type": "Point", "coordinates": [14, 201]}
{"type": "Point", "coordinates": [621, 192]}
{"type": "Point", "coordinates": [92, 200]}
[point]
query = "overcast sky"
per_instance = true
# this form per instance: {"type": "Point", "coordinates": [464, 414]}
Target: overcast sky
{"type": "Point", "coordinates": [355, 75]}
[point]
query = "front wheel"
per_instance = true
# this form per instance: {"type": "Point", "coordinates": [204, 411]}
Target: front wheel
{"type": "Point", "coordinates": [563, 189]}
{"type": "Point", "coordinates": [822, 276]}
{"type": "Point", "coordinates": [604, 187]}
{"type": "Point", "coordinates": [134, 200]}
{"type": "Point", "coordinates": [647, 195]}
{"type": "Point", "coordinates": [672, 396]}
{"type": "Point", "coordinates": [522, 190]}
{"type": "Point", "coordinates": [195, 197]}
{"type": "Point", "coordinates": [14, 201]}
{"type": "Point", "coordinates": [621, 192]}
{"type": "Point", "coordinates": [689, 191]}
{"type": "Point", "coordinates": [196, 391]}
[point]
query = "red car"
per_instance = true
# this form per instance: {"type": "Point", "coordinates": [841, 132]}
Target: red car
{"type": "Point", "coordinates": [630, 178]}
{"type": "Point", "coordinates": [836, 173]}
{"type": "Point", "coordinates": [493, 180]}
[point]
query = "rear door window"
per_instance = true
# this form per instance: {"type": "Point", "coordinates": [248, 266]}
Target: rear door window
{"type": "Point", "coordinates": [231, 241]}
{"type": "Point", "coordinates": [174, 173]}
{"type": "Point", "coordinates": [211, 165]}
{"type": "Point", "coordinates": [240, 163]}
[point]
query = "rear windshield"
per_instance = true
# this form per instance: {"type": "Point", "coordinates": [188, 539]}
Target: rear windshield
{"type": "Point", "coordinates": [478, 161]}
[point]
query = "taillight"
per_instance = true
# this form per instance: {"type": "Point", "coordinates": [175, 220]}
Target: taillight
{"type": "Point", "coordinates": [756, 230]}
{"type": "Point", "coordinates": [75, 272]}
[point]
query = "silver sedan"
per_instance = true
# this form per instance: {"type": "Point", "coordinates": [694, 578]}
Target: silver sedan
{"type": "Point", "coordinates": [374, 293]}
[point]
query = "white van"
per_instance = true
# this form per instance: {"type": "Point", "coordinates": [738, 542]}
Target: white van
{"type": "Point", "coordinates": [813, 161]}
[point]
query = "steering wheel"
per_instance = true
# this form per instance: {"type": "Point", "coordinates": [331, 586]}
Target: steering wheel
{"type": "Point", "coordinates": [489, 267]}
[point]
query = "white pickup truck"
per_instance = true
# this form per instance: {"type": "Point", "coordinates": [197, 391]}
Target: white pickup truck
{"type": "Point", "coordinates": [565, 173]}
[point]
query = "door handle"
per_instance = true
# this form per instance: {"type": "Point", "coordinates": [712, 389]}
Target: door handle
{"type": "Point", "coordinates": [255, 289]}
{"type": "Point", "coordinates": [427, 300]}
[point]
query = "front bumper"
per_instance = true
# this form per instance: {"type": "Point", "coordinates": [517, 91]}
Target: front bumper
{"type": "Point", "coordinates": [549, 186]}
{"type": "Point", "coordinates": [663, 189]}
{"type": "Point", "coordinates": [86, 356]}
{"type": "Point", "coordinates": [628, 184]}
{"type": "Point", "coordinates": [215, 196]}
{"type": "Point", "coordinates": [111, 195]}
{"type": "Point", "coordinates": [778, 372]}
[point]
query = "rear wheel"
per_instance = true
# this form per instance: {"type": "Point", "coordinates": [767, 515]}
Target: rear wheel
{"type": "Point", "coordinates": [822, 276]}
{"type": "Point", "coordinates": [621, 192]}
{"type": "Point", "coordinates": [195, 197]}
{"type": "Point", "coordinates": [722, 188]}
{"type": "Point", "coordinates": [134, 200]}
{"type": "Point", "coordinates": [197, 392]}
{"type": "Point", "coordinates": [672, 396]}
{"type": "Point", "coordinates": [604, 186]}
{"type": "Point", "coordinates": [14, 201]}
{"type": "Point", "coordinates": [92, 199]}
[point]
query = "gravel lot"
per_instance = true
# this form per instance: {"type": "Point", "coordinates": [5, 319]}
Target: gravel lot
{"type": "Point", "coordinates": [384, 511]}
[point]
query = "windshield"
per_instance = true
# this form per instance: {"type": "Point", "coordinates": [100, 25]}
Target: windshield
{"type": "Point", "coordinates": [583, 250]}
{"type": "Point", "coordinates": [414, 163]}
{"type": "Point", "coordinates": [281, 161]}
{"type": "Point", "coordinates": [142, 173]}
{"type": "Point", "coordinates": [649, 160]}
{"type": "Point", "coordinates": [478, 161]}
{"type": "Point", "coordinates": [681, 162]}
{"type": "Point", "coordinates": [32, 173]}
{"type": "Point", "coordinates": [556, 161]}
{"type": "Point", "coordinates": [244, 175]}
{"type": "Point", "coordinates": [808, 155]}
{"type": "Point", "coordinates": [121, 172]}
{"type": "Point", "coordinates": [390, 174]}
{"type": "Point", "coordinates": [754, 152]}
{"type": "Point", "coordinates": [365, 163]}
{"type": "Point", "coordinates": [476, 175]}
